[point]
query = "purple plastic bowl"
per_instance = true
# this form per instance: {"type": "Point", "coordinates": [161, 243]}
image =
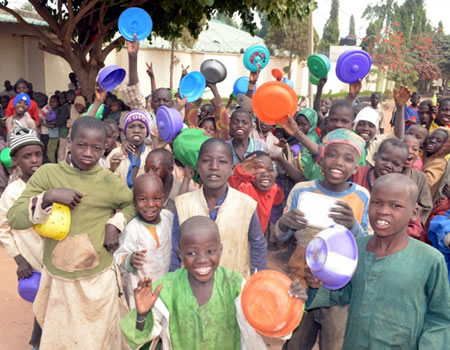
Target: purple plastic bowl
{"type": "Point", "coordinates": [353, 65]}
{"type": "Point", "coordinates": [110, 77]}
{"type": "Point", "coordinates": [169, 122]}
{"type": "Point", "coordinates": [50, 116]}
{"type": "Point", "coordinates": [332, 256]}
{"type": "Point", "coordinates": [28, 287]}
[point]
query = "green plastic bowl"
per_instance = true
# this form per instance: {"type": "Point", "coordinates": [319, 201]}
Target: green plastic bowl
{"type": "Point", "coordinates": [5, 157]}
{"type": "Point", "coordinates": [313, 79]}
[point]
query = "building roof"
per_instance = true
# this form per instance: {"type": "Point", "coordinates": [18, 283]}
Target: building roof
{"type": "Point", "coordinates": [217, 37]}
{"type": "Point", "coordinates": [28, 16]}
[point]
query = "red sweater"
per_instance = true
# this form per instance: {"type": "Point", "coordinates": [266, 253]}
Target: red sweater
{"type": "Point", "coordinates": [33, 111]}
{"type": "Point", "coordinates": [242, 182]}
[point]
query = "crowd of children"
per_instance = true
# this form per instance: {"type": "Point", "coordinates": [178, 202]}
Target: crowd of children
{"type": "Point", "coordinates": [175, 240]}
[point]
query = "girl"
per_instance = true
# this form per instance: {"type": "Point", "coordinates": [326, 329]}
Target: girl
{"type": "Point", "coordinates": [23, 86]}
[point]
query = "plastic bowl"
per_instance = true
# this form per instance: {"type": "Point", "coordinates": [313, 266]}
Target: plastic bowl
{"type": "Point", "coordinates": [332, 256]}
{"type": "Point", "coordinates": [318, 66]}
{"type": "Point", "coordinates": [287, 81]}
{"type": "Point", "coordinates": [326, 60]}
{"type": "Point", "coordinates": [135, 20]}
{"type": "Point", "coordinates": [277, 74]}
{"type": "Point", "coordinates": [110, 77]}
{"type": "Point", "coordinates": [28, 287]}
{"type": "Point", "coordinates": [50, 116]}
{"type": "Point", "coordinates": [57, 225]}
{"type": "Point", "coordinates": [213, 70]}
{"type": "Point", "coordinates": [169, 122]}
{"type": "Point", "coordinates": [313, 79]}
{"type": "Point", "coordinates": [192, 86]}
{"type": "Point", "coordinates": [256, 55]}
{"type": "Point", "coordinates": [353, 65]}
{"type": "Point", "coordinates": [5, 157]}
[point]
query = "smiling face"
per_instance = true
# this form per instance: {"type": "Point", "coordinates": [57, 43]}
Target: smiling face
{"type": "Point", "coordinates": [435, 141]}
{"type": "Point", "coordinates": [136, 132]}
{"type": "Point", "coordinates": [390, 160]}
{"type": "Point", "coordinates": [338, 164]}
{"type": "Point", "coordinates": [215, 165]}
{"type": "Point", "coordinates": [21, 107]}
{"type": "Point", "coordinates": [22, 87]}
{"type": "Point", "coordinates": [366, 130]}
{"type": "Point", "coordinates": [148, 197]}
{"type": "Point", "coordinates": [413, 148]}
{"type": "Point", "coordinates": [240, 125]}
{"type": "Point", "coordinates": [28, 159]}
{"type": "Point", "coordinates": [340, 117]}
{"type": "Point", "coordinates": [325, 105]}
{"type": "Point", "coordinates": [443, 115]}
{"type": "Point", "coordinates": [265, 179]}
{"type": "Point", "coordinates": [87, 147]}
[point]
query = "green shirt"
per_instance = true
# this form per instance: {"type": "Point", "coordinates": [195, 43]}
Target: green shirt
{"type": "Point", "coordinates": [103, 193]}
{"type": "Point", "coordinates": [401, 301]}
{"type": "Point", "coordinates": [212, 326]}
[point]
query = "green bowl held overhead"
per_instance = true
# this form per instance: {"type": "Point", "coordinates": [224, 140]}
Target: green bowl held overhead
{"type": "Point", "coordinates": [313, 79]}
{"type": "Point", "coordinates": [317, 66]}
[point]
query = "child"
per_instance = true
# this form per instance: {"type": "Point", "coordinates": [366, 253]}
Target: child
{"type": "Point", "coordinates": [53, 131]}
{"type": "Point", "coordinates": [25, 246]}
{"type": "Point", "coordinates": [395, 302]}
{"type": "Point", "coordinates": [234, 212]}
{"type": "Point", "coordinates": [61, 122]}
{"type": "Point", "coordinates": [21, 105]}
{"type": "Point", "coordinates": [112, 132]}
{"type": "Point", "coordinates": [425, 113]}
{"type": "Point", "coordinates": [436, 148]}
{"type": "Point", "coordinates": [443, 115]}
{"type": "Point", "coordinates": [197, 306]}
{"type": "Point", "coordinates": [144, 247]}
{"type": "Point", "coordinates": [415, 99]}
{"type": "Point", "coordinates": [208, 124]}
{"type": "Point", "coordinates": [116, 110]}
{"type": "Point", "coordinates": [339, 162]}
{"type": "Point", "coordinates": [419, 132]}
{"type": "Point", "coordinates": [80, 284]}
{"type": "Point", "coordinates": [242, 145]}
{"type": "Point", "coordinates": [24, 87]}
{"type": "Point", "coordinates": [255, 176]}
{"type": "Point", "coordinates": [136, 128]}
{"type": "Point", "coordinates": [375, 104]}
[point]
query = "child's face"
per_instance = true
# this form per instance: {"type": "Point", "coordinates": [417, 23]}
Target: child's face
{"type": "Point", "coordinates": [389, 210]}
{"type": "Point", "coordinates": [156, 165]}
{"type": "Point", "coordinates": [161, 97]}
{"type": "Point", "coordinates": [435, 141]}
{"type": "Point", "coordinates": [136, 132]}
{"type": "Point", "coordinates": [415, 99]}
{"type": "Point", "coordinates": [28, 159]}
{"type": "Point", "coordinates": [79, 107]}
{"type": "Point", "coordinates": [215, 166]}
{"type": "Point", "coordinates": [366, 130]}
{"type": "Point", "coordinates": [303, 124]}
{"type": "Point", "coordinates": [265, 179]}
{"type": "Point", "coordinates": [390, 160]}
{"type": "Point", "coordinates": [414, 150]}
{"type": "Point", "coordinates": [149, 199]}
{"type": "Point", "coordinates": [200, 253]}
{"type": "Point", "coordinates": [325, 105]}
{"type": "Point", "coordinates": [115, 106]}
{"type": "Point", "coordinates": [339, 163]}
{"type": "Point", "coordinates": [87, 148]}
{"type": "Point", "coordinates": [443, 115]}
{"type": "Point", "coordinates": [21, 107]}
{"type": "Point", "coordinates": [4, 101]}
{"type": "Point", "coordinates": [424, 114]}
{"type": "Point", "coordinates": [265, 128]}
{"type": "Point", "coordinates": [419, 133]}
{"type": "Point", "coordinates": [53, 103]}
{"type": "Point", "coordinates": [374, 100]}
{"type": "Point", "coordinates": [110, 142]}
{"type": "Point", "coordinates": [22, 87]}
{"type": "Point", "coordinates": [209, 128]}
{"type": "Point", "coordinates": [70, 97]}
{"type": "Point", "coordinates": [62, 99]}
{"type": "Point", "coordinates": [240, 126]}
{"type": "Point", "coordinates": [341, 117]}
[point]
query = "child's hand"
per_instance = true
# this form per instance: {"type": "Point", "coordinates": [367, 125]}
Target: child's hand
{"type": "Point", "coordinates": [311, 280]}
{"type": "Point", "coordinates": [401, 96]}
{"type": "Point", "coordinates": [322, 83]}
{"type": "Point", "coordinates": [290, 127]}
{"type": "Point", "coordinates": [184, 71]}
{"type": "Point", "coordinates": [297, 291]}
{"type": "Point", "coordinates": [133, 47]}
{"type": "Point", "coordinates": [65, 196]}
{"type": "Point", "coordinates": [128, 147]}
{"type": "Point", "coordinates": [354, 88]}
{"type": "Point", "coordinates": [138, 259]}
{"type": "Point", "coordinates": [343, 215]}
{"type": "Point", "coordinates": [252, 165]}
{"type": "Point", "coordinates": [144, 297]}
{"type": "Point", "coordinates": [150, 69]}
{"type": "Point", "coordinates": [111, 242]}
{"type": "Point", "coordinates": [275, 156]}
{"type": "Point", "coordinates": [115, 161]}
{"type": "Point", "coordinates": [180, 103]}
{"type": "Point", "coordinates": [282, 143]}
{"type": "Point", "coordinates": [100, 93]}
{"type": "Point", "coordinates": [293, 219]}
{"type": "Point", "coordinates": [253, 78]}
{"type": "Point", "coordinates": [446, 191]}
{"type": "Point", "coordinates": [189, 172]}
{"type": "Point", "coordinates": [24, 268]}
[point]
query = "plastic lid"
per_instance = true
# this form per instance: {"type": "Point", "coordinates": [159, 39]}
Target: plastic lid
{"type": "Point", "coordinates": [255, 55]}
{"type": "Point", "coordinates": [192, 86]}
{"type": "Point", "coordinates": [169, 122]}
{"type": "Point", "coordinates": [135, 21]}
{"type": "Point", "coordinates": [214, 71]}
{"type": "Point", "coordinates": [353, 65]}
{"type": "Point", "coordinates": [317, 66]}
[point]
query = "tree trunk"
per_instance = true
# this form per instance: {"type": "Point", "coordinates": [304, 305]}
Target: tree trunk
{"type": "Point", "coordinates": [291, 58]}
{"type": "Point", "coordinates": [172, 63]}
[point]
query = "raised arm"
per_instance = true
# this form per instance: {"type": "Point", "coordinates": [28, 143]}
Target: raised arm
{"type": "Point", "coordinates": [151, 75]}
{"type": "Point", "coordinates": [401, 97]}
{"type": "Point", "coordinates": [318, 97]}
{"type": "Point", "coordinates": [292, 129]}
{"type": "Point", "coordinates": [353, 91]}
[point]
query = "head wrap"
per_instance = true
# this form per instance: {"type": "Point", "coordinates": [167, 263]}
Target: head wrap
{"type": "Point", "coordinates": [22, 97]}
{"type": "Point", "coordinates": [133, 116]}
{"type": "Point", "coordinates": [312, 118]}
{"type": "Point", "coordinates": [346, 137]}
{"type": "Point", "coordinates": [367, 114]}
{"type": "Point", "coordinates": [22, 137]}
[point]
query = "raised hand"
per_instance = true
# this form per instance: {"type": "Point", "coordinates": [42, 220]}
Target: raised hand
{"type": "Point", "coordinates": [100, 93]}
{"type": "Point", "coordinates": [133, 47]}
{"type": "Point", "coordinates": [115, 161]}
{"type": "Point", "coordinates": [354, 88]}
{"type": "Point", "coordinates": [282, 143]}
{"type": "Point", "coordinates": [65, 196]}
{"type": "Point", "coordinates": [138, 259]}
{"type": "Point", "coordinates": [144, 297]}
{"type": "Point", "coordinates": [253, 77]}
{"type": "Point", "coordinates": [252, 165]}
{"type": "Point", "coordinates": [184, 70]}
{"type": "Point", "coordinates": [343, 214]}
{"type": "Point", "coordinates": [128, 147]}
{"type": "Point", "coordinates": [290, 126]}
{"type": "Point", "coordinates": [322, 83]}
{"type": "Point", "coordinates": [149, 69]}
{"type": "Point", "coordinates": [401, 96]}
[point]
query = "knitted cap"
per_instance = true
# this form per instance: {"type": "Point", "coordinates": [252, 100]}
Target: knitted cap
{"type": "Point", "coordinates": [22, 97]}
{"type": "Point", "coordinates": [133, 116]}
{"type": "Point", "coordinates": [22, 137]}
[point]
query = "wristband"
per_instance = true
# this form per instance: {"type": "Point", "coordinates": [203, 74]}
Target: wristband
{"type": "Point", "coordinates": [128, 264]}
{"type": "Point", "coordinates": [251, 86]}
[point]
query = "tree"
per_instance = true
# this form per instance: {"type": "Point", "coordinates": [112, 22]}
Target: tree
{"type": "Point", "coordinates": [442, 41]}
{"type": "Point", "coordinates": [290, 40]}
{"type": "Point", "coordinates": [84, 32]}
{"type": "Point", "coordinates": [331, 30]}
{"type": "Point", "coordinates": [352, 30]}
{"type": "Point", "coordinates": [426, 55]}
{"type": "Point", "coordinates": [226, 19]}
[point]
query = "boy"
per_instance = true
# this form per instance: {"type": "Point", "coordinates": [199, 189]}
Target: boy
{"type": "Point", "coordinates": [21, 105]}
{"type": "Point", "coordinates": [25, 246]}
{"type": "Point", "coordinates": [443, 115]}
{"type": "Point", "coordinates": [80, 284]}
{"type": "Point", "coordinates": [395, 303]}
{"type": "Point", "coordinates": [339, 163]}
{"type": "Point", "coordinates": [375, 104]}
{"type": "Point", "coordinates": [144, 248]}
{"type": "Point", "coordinates": [235, 213]}
{"type": "Point", "coordinates": [53, 131]}
{"type": "Point", "coordinates": [202, 299]}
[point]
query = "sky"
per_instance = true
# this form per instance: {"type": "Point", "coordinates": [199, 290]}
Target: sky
{"type": "Point", "coordinates": [434, 10]}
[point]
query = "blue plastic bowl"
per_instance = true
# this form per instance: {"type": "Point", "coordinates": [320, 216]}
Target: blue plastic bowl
{"type": "Point", "coordinates": [240, 86]}
{"type": "Point", "coordinates": [28, 287]}
{"type": "Point", "coordinates": [326, 60]}
{"type": "Point", "coordinates": [135, 21]}
{"type": "Point", "coordinates": [110, 77]}
{"type": "Point", "coordinates": [289, 82]}
{"type": "Point", "coordinates": [192, 86]}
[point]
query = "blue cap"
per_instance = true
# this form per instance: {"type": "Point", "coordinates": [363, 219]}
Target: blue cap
{"type": "Point", "coordinates": [22, 97]}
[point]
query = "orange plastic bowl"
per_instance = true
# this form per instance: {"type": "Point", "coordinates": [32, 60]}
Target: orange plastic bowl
{"type": "Point", "coordinates": [272, 102]}
{"type": "Point", "coordinates": [277, 74]}
{"type": "Point", "coordinates": [267, 305]}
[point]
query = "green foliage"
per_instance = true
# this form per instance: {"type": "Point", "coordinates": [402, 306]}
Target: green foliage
{"type": "Point", "coordinates": [226, 19]}
{"type": "Point", "coordinates": [331, 30]}
{"type": "Point", "coordinates": [265, 25]}
{"type": "Point", "coordinates": [352, 30]}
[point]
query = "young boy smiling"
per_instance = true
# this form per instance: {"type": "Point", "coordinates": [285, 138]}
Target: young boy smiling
{"type": "Point", "coordinates": [80, 284]}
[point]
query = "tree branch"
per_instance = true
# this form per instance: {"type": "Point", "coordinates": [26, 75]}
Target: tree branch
{"type": "Point", "coordinates": [70, 28]}
{"type": "Point", "coordinates": [115, 44]}
{"type": "Point", "coordinates": [47, 17]}
{"type": "Point", "coordinates": [60, 11]}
